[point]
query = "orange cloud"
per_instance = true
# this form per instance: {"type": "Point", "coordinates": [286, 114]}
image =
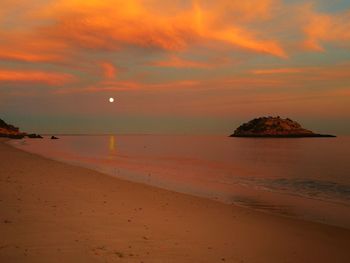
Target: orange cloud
{"type": "Point", "coordinates": [216, 23]}
{"type": "Point", "coordinates": [107, 86]}
{"type": "Point", "coordinates": [49, 78]}
{"type": "Point", "coordinates": [321, 28]}
{"type": "Point", "coordinates": [245, 39]}
{"type": "Point", "coordinates": [109, 70]}
{"type": "Point", "coordinates": [176, 62]}
{"type": "Point", "coordinates": [277, 71]}
{"type": "Point", "coordinates": [28, 47]}
{"type": "Point", "coordinates": [111, 25]}
{"type": "Point", "coordinates": [262, 80]}
{"type": "Point", "coordinates": [319, 74]}
{"type": "Point", "coordinates": [26, 56]}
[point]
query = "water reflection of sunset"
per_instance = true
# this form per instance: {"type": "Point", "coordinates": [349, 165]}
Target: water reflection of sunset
{"type": "Point", "coordinates": [112, 144]}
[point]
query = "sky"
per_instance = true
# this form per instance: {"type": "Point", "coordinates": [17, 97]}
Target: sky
{"type": "Point", "coordinates": [173, 66]}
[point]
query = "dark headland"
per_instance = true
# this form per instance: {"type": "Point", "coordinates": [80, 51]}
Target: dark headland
{"type": "Point", "coordinates": [12, 132]}
{"type": "Point", "coordinates": [274, 127]}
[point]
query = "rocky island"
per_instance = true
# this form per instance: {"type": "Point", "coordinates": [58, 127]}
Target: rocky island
{"type": "Point", "coordinates": [274, 127]}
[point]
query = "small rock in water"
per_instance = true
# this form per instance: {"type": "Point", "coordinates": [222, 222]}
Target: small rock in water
{"type": "Point", "coordinates": [34, 136]}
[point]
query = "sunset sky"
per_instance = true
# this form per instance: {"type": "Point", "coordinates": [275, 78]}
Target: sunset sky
{"type": "Point", "coordinates": [173, 66]}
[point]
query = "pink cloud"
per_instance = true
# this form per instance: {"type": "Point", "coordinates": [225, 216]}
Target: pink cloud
{"type": "Point", "coordinates": [28, 76]}
{"type": "Point", "coordinates": [109, 70]}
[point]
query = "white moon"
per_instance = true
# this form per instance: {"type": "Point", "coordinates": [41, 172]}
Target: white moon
{"type": "Point", "coordinates": [111, 100]}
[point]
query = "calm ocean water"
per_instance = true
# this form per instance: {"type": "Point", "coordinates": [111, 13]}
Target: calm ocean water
{"type": "Point", "coordinates": [303, 178]}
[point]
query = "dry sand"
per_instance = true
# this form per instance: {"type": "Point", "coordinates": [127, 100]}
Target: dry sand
{"type": "Point", "coordinates": [53, 212]}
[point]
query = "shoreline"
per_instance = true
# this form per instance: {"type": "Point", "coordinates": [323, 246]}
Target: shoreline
{"type": "Point", "coordinates": [54, 212]}
{"type": "Point", "coordinates": [290, 205]}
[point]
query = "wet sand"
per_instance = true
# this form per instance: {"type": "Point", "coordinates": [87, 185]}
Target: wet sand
{"type": "Point", "coordinates": [54, 212]}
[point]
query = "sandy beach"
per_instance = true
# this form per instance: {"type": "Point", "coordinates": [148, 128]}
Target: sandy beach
{"type": "Point", "coordinates": [53, 212]}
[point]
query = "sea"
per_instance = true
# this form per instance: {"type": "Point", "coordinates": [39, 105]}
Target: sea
{"type": "Point", "coordinates": [305, 178]}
